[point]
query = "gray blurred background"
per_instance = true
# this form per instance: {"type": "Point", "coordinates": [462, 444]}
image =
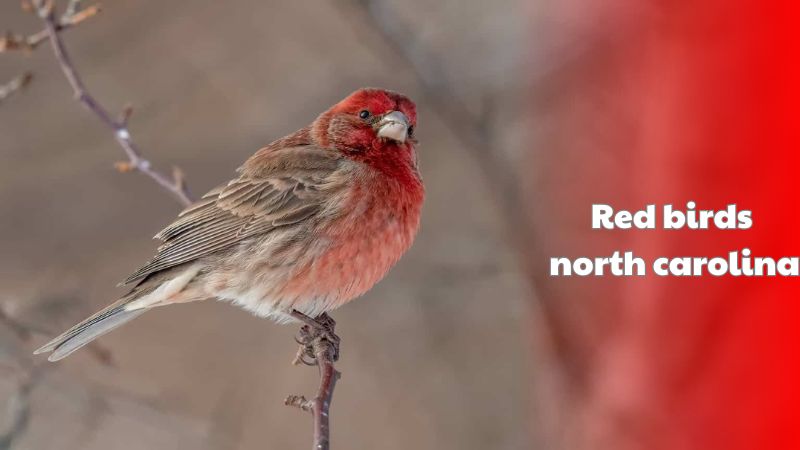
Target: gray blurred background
{"type": "Point", "coordinates": [436, 356]}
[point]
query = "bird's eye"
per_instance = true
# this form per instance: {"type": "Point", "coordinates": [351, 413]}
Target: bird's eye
{"type": "Point", "coordinates": [364, 114]}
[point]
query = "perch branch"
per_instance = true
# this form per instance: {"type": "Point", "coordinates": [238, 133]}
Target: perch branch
{"type": "Point", "coordinates": [15, 85]}
{"type": "Point", "coordinates": [319, 342]}
{"type": "Point", "coordinates": [175, 185]}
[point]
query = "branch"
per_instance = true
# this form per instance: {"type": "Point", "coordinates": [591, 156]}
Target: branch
{"type": "Point", "coordinates": [72, 17]}
{"type": "Point", "coordinates": [15, 85]}
{"type": "Point", "coordinates": [19, 410]}
{"type": "Point", "coordinates": [175, 185]}
{"type": "Point", "coordinates": [318, 342]}
{"type": "Point", "coordinates": [24, 331]}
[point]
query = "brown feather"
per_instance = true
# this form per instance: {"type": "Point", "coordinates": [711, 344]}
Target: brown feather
{"type": "Point", "coordinates": [292, 187]}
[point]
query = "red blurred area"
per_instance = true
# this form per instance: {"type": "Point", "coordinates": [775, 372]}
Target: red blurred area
{"type": "Point", "coordinates": [666, 102]}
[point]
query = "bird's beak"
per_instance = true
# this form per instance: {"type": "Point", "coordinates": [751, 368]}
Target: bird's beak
{"type": "Point", "coordinates": [394, 126]}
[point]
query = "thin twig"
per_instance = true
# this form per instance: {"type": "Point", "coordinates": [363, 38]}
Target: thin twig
{"type": "Point", "coordinates": [72, 8]}
{"type": "Point", "coordinates": [323, 345]}
{"type": "Point", "coordinates": [15, 85]}
{"type": "Point", "coordinates": [24, 331]}
{"type": "Point", "coordinates": [18, 407]}
{"type": "Point", "coordinates": [176, 187]}
{"type": "Point", "coordinates": [19, 410]}
{"type": "Point", "coordinates": [12, 42]}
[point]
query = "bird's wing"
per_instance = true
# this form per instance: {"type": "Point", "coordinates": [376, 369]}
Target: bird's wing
{"type": "Point", "coordinates": [290, 185]}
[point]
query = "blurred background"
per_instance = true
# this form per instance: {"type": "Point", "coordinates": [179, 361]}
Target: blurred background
{"type": "Point", "coordinates": [529, 112]}
{"type": "Point", "coordinates": [436, 356]}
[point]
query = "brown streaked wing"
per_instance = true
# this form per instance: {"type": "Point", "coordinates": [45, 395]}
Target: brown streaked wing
{"type": "Point", "coordinates": [294, 189]}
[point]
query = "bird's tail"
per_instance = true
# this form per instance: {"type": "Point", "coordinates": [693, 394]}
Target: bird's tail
{"type": "Point", "coordinates": [90, 329]}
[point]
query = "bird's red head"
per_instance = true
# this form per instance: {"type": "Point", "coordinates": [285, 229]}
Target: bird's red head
{"type": "Point", "coordinates": [368, 123]}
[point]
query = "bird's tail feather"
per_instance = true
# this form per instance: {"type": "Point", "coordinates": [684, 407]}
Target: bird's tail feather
{"type": "Point", "coordinates": [90, 329]}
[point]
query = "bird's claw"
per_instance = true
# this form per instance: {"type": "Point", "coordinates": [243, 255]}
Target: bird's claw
{"type": "Point", "coordinates": [312, 336]}
{"type": "Point", "coordinates": [305, 355]}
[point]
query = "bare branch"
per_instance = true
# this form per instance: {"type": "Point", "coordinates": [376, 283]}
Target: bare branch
{"type": "Point", "coordinates": [70, 19]}
{"type": "Point", "coordinates": [299, 401]}
{"type": "Point", "coordinates": [322, 402]}
{"type": "Point", "coordinates": [121, 132]}
{"type": "Point", "coordinates": [72, 8]}
{"type": "Point", "coordinates": [15, 85]}
{"type": "Point", "coordinates": [19, 410]}
{"type": "Point", "coordinates": [321, 345]}
{"type": "Point", "coordinates": [25, 331]}
{"type": "Point", "coordinates": [125, 115]}
{"type": "Point", "coordinates": [319, 342]}
{"type": "Point", "coordinates": [11, 41]}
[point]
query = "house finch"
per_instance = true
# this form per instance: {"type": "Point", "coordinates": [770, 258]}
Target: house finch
{"type": "Point", "coordinates": [313, 220]}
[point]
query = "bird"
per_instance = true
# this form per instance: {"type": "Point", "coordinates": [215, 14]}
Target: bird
{"type": "Point", "coordinates": [310, 222]}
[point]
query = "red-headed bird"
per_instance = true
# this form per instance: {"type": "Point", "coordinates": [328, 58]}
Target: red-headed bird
{"type": "Point", "coordinates": [312, 221]}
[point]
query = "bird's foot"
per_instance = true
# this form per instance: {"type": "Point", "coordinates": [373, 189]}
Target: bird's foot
{"type": "Point", "coordinates": [316, 337]}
